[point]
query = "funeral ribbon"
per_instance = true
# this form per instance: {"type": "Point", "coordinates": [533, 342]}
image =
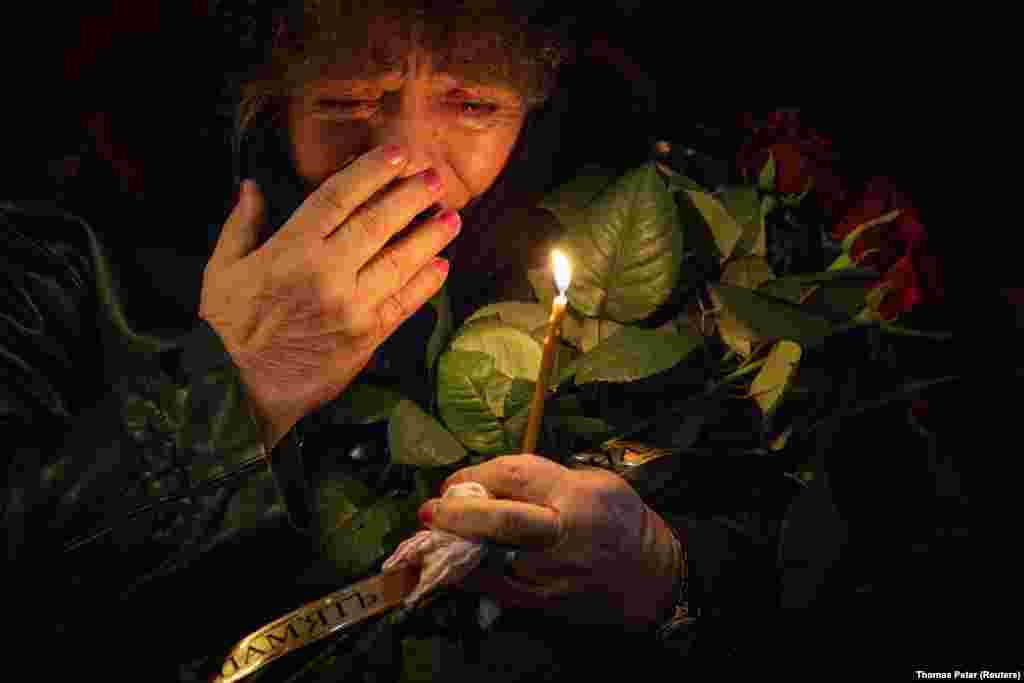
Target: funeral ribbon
{"type": "Point", "coordinates": [420, 564]}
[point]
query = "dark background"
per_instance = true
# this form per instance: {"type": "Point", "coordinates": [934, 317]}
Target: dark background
{"type": "Point", "coordinates": [140, 82]}
{"type": "Point", "coordinates": [126, 123]}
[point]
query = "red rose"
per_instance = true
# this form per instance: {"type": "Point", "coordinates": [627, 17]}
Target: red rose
{"type": "Point", "coordinates": [898, 248]}
{"type": "Point", "coordinates": [1015, 295]}
{"type": "Point", "coordinates": [801, 156]}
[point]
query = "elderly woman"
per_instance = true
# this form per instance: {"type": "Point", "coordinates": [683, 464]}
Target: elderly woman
{"type": "Point", "coordinates": [373, 142]}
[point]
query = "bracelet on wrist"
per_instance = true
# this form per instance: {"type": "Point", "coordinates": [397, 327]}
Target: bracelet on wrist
{"type": "Point", "coordinates": [679, 617]}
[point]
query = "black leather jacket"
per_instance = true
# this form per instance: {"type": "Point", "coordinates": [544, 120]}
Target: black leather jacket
{"type": "Point", "coordinates": [142, 513]}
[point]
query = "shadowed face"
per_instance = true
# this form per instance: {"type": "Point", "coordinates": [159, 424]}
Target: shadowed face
{"type": "Point", "coordinates": [464, 129]}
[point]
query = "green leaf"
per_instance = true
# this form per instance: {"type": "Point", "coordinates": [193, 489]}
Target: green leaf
{"type": "Point", "coordinates": [469, 385]}
{"type": "Point", "coordinates": [794, 199]}
{"type": "Point", "coordinates": [421, 660]}
{"type": "Point", "coordinates": [747, 271]}
{"type": "Point", "coordinates": [595, 331]}
{"type": "Point", "coordinates": [173, 400]}
{"type": "Point", "coordinates": [569, 370]}
{"type": "Point", "coordinates": [675, 181]}
{"type": "Point", "coordinates": [793, 288]}
{"type": "Point", "coordinates": [462, 400]}
{"type": "Point", "coordinates": [840, 300]}
{"type": "Point", "coordinates": [633, 353]}
{"type": "Point", "coordinates": [416, 438]}
{"type": "Point", "coordinates": [253, 502]}
{"type": "Point", "coordinates": [743, 203]}
{"type": "Point", "coordinates": [591, 429]}
{"type": "Point", "coordinates": [353, 548]}
{"type": "Point", "coordinates": [339, 498]}
{"type": "Point", "coordinates": [517, 404]}
{"type": "Point", "coordinates": [442, 329]}
{"type": "Point", "coordinates": [851, 274]}
{"type": "Point", "coordinates": [778, 442]}
{"type": "Point", "coordinates": [760, 316]}
{"type": "Point", "coordinates": [902, 393]}
{"type": "Point", "coordinates": [702, 256]}
{"type": "Point", "coordinates": [766, 179]}
{"type": "Point", "coordinates": [568, 200]}
{"type": "Point", "coordinates": [789, 289]}
{"type": "Point", "coordinates": [524, 315]}
{"type": "Point", "coordinates": [496, 389]}
{"type": "Point", "coordinates": [364, 403]}
{"type": "Point", "coordinates": [867, 225]}
{"type": "Point", "coordinates": [725, 229]}
{"type": "Point", "coordinates": [775, 376]}
{"type": "Point", "coordinates": [514, 352]}
{"type": "Point", "coordinates": [901, 331]}
{"type": "Point", "coordinates": [843, 261]}
{"type": "Point", "coordinates": [627, 250]}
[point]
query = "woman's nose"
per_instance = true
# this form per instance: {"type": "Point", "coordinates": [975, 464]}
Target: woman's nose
{"type": "Point", "coordinates": [411, 125]}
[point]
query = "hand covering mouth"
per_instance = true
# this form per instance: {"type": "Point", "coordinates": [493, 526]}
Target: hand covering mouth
{"type": "Point", "coordinates": [419, 219]}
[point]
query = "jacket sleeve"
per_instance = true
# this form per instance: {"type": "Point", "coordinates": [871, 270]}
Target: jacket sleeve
{"type": "Point", "coordinates": [132, 455]}
{"type": "Point", "coordinates": [732, 590]}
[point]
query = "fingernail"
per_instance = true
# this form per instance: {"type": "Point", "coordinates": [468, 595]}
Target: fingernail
{"type": "Point", "coordinates": [433, 180]}
{"type": "Point", "coordinates": [441, 265]}
{"type": "Point", "coordinates": [426, 512]}
{"type": "Point", "coordinates": [393, 154]}
{"type": "Point", "coordinates": [450, 217]}
{"type": "Point", "coordinates": [246, 191]}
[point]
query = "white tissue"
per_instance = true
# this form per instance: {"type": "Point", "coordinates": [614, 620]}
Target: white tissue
{"type": "Point", "coordinates": [446, 558]}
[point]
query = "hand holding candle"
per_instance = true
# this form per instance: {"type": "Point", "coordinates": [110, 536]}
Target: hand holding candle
{"type": "Point", "coordinates": [536, 415]}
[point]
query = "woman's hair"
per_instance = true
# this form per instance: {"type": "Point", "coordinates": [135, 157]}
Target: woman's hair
{"type": "Point", "coordinates": [499, 41]}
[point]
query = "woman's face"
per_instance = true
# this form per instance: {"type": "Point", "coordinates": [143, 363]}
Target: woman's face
{"type": "Point", "coordinates": [465, 131]}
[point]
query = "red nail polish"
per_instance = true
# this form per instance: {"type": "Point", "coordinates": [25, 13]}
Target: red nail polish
{"type": "Point", "coordinates": [426, 513]}
{"type": "Point", "coordinates": [393, 154]}
{"type": "Point", "coordinates": [432, 179]}
{"type": "Point", "coordinates": [450, 217]}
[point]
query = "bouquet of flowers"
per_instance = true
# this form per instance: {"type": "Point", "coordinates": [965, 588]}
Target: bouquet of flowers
{"type": "Point", "coordinates": [697, 295]}
{"type": "Point", "coordinates": [717, 308]}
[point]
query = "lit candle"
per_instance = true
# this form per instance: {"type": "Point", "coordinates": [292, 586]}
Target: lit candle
{"type": "Point", "coordinates": [536, 415]}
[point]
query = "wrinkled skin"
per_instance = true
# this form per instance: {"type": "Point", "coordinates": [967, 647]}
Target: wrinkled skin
{"type": "Point", "coordinates": [592, 550]}
{"type": "Point", "coordinates": [302, 315]}
{"type": "Point", "coordinates": [463, 131]}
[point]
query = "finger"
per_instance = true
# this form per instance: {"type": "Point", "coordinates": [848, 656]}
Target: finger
{"type": "Point", "coordinates": [505, 521]}
{"type": "Point", "coordinates": [391, 269]}
{"type": "Point", "coordinates": [341, 194]}
{"type": "Point", "coordinates": [373, 223]}
{"type": "Point", "coordinates": [401, 305]}
{"type": "Point", "coordinates": [527, 478]}
{"type": "Point", "coordinates": [239, 235]}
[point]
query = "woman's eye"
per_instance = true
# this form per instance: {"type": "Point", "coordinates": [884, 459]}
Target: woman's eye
{"type": "Point", "coordinates": [477, 109]}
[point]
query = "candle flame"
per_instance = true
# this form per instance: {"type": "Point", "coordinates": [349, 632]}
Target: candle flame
{"type": "Point", "coordinates": [563, 273]}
